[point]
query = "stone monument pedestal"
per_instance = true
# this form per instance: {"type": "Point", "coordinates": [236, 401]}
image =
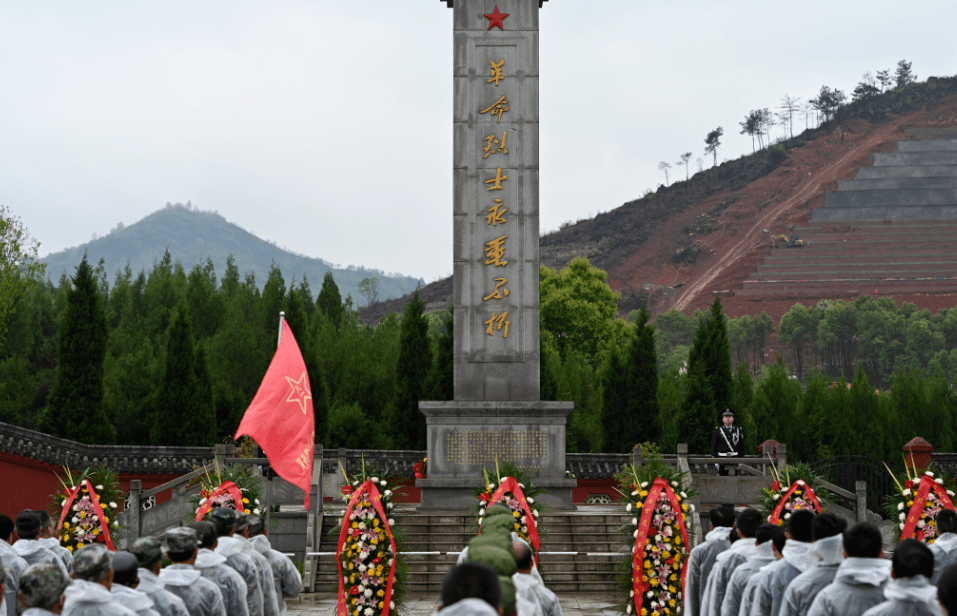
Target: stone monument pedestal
{"type": "Point", "coordinates": [465, 437]}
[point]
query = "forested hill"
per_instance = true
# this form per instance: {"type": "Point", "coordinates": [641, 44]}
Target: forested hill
{"type": "Point", "coordinates": [193, 236]}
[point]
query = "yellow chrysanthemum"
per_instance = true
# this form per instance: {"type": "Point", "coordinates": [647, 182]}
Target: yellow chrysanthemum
{"type": "Point", "coordinates": [246, 501]}
{"type": "Point", "coordinates": [674, 577]}
{"type": "Point", "coordinates": [380, 593]}
{"type": "Point", "coordinates": [247, 512]}
{"type": "Point", "coordinates": [671, 589]}
{"type": "Point", "coordinates": [653, 582]}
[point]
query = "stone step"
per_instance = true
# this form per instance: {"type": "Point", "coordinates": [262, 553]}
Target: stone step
{"type": "Point", "coordinates": [907, 183]}
{"type": "Point", "coordinates": [858, 259]}
{"type": "Point", "coordinates": [852, 270]}
{"type": "Point", "coordinates": [897, 159]}
{"type": "Point", "coordinates": [889, 212]}
{"type": "Point", "coordinates": [926, 145]}
{"type": "Point", "coordinates": [850, 287]}
{"type": "Point", "coordinates": [932, 133]}
{"type": "Point", "coordinates": [907, 171]}
{"type": "Point", "coordinates": [879, 198]}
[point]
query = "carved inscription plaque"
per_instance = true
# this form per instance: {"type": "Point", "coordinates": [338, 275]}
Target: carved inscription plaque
{"type": "Point", "coordinates": [480, 447]}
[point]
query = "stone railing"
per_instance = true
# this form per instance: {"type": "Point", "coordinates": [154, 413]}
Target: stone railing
{"type": "Point", "coordinates": [124, 459]}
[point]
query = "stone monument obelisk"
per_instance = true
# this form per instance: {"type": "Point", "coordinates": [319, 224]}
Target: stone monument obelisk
{"type": "Point", "coordinates": [497, 413]}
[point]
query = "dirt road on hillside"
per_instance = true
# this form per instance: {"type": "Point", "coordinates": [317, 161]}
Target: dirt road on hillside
{"type": "Point", "coordinates": [803, 193]}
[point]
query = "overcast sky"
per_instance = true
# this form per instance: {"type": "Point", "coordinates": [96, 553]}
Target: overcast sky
{"type": "Point", "coordinates": [327, 127]}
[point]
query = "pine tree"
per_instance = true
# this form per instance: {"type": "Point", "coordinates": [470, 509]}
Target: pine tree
{"type": "Point", "coordinates": [75, 406]}
{"type": "Point", "coordinates": [695, 421]}
{"type": "Point", "coordinates": [181, 419]}
{"type": "Point", "coordinates": [719, 358]}
{"type": "Point", "coordinates": [641, 367]}
{"type": "Point", "coordinates": [710, 359]}
{"type": "Point", "coordinates": [415, 358]}
{"type": "Point", "coordinates": [329, 301]}
{"type": "Point", "coordinates": [204, 402]}
{"type": "Point", "coordinates": [441, 380]}
{"type": "Point", "coordinates": [614, 408]}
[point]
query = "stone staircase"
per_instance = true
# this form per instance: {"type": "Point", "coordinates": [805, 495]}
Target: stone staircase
{"type": "Point", "coordinates": [890, 229]}
{"type": "Point", "coordinates": [580, 551]}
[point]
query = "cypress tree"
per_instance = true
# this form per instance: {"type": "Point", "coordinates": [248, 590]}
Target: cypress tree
{"type": "Point", "coordinates": [695, 420]}
{"type": "Point", "coordinates": [407, 424]}
{"type": "Point", "coordinates": [614, 408]}
{"type": "Point", "coordinates": [329, 301]}
{"type": "Point", "coordinates": [718, 356]}
{"type": "Point", "coordinates": [181, 417]}
{"type": "Point", "coordinates": [441, 380]}
{"type": "Point", "coordinates": [75, 406]}
{"type": "Point", "coordinates": [710, 359]}
{"type": "Point", "coordinates": [641, 366]}
{"type": "Point", "coordinates": [204, 402]}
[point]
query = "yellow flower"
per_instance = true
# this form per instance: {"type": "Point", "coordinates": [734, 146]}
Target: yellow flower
{"type": "Point", "coordinates": [644, 611]}
{"type": "Point", "coordinates": [653, 582]}
{"type": "Point", "coordinates": [246, 501]}
{"type": "Point", "coordinates": [671, 602]}
{"type": "Point", "coordinates": [82, 515]}
{"type": "Point", "coordinates": [381, 593]}
{"type": "Point", "coordinates": [355, 525]}
{"type": "Point", "coordinates": [515, 514]}
{"type": "Point", "coordinates": [247, 512]}
{"type": "Point", "coordinates": [638, 505]}
{"type": "Point", "coordinates": [643, 493]}
{"type": "Point", "coordinates": [106, 519]}
{"type": "Point", "coordinates": [647, 564]}
{"type": "Point", "coordinates": [381, 603]}
{"type": "Point", "coordinates": [684, 507]}
{"type": "Point", "coordinates": [79, 545]}
{"type": "Point", "coordinates": [352, 565]}
{"type": "Point", "coordinates": [671, 589]}
{"type": "Point", "coordinates": [674, 578]}
{"type": "Point", "coordinates": [70, 547]}
{"type": "Point", "coordinates": [66, 525]}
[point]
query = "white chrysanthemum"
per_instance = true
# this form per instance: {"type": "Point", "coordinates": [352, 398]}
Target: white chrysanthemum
{"type": "Point", "coordinates": [921, 524]}
{"type": "Point", "coordinates": [362, 568]}
{"type": "Point", "coordinates": [902, 517]}
{"type": "Point", "coordinates": [530, 500]}
{"type": "Point", "coordinates": [116, 524]}
{"type": "Point", "coordinates": [800, 482]}
{"type": "Point", "coordinates": [63, 502]}
{"type": "Point", "coordinates": [634, 521]}
{"type": "Point", "coordinates": [674, 484]}
{"type": "Point", "coordinates": [383, 483]}
{"type": "Point", "coordinates": [368, 611]}
{"type": "Point", "coordinates": [635, 493]}
{"type": "Point", "coordinates": [375, 480]}
{"type": "Point", "coordinates": [535, 512]}
{"type": "Point", "coordinates": [906, 492]}
{"type": "Point", "coordinates": [202, 501]}
{"type": "Point", "coordinates": [900, 506]}
{"type": "Point", "coordinates": [99, 487]}
{"type": "Point", "coordinates": [628, 609]}
{"type": "Point", "coordinates": [391, 605]}
{"type": "Point", "coordinates": [388, 493]}
{"type": "Point", "coordinates": [256, 500]}
{"type": "Point", "coordinates": [112, 504]}
{"type": "Point", "coordinates": [787, 516]}
{"type": "Point", "coordinates": [901, 525]}
{"type": "Point", "coordinates": [940, 481]}
{"type": "Point", "coordinates": [388, 506]}
{"type": "Point", "coordinates": [691, 508]}
{"type": "Point", "coordinates": [368, 592]}
{"type": "Point", "coordinates": [391, 522]}
{"type": "Point", "coordinates": [683, 495]}
{"type": "Point", "coordinates": [775, 496]}
{"type": "Point", "coordinates": [928, 473]}
{"type": "Point", "coordinates": [650, 595]}
{"type": "Point", "coordinates": [636, 534]}
{"type": "Point", "coordinates": [490, 487]}
{"type": "Point", "coordinates": [644, 484]}
{"type": "Point", "coordinates": [628, 507]}
{"type": "Point", "coordinates": [950, 493]}
{"type": "Point", "coordinates": [632, 593]}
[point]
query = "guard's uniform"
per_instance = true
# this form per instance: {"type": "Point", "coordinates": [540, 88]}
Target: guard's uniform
{"type": "Point", "coordinates": [726, 443]}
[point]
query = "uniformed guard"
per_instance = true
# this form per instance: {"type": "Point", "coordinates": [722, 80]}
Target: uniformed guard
{"type": "Point", "coordinates": [727, 441]}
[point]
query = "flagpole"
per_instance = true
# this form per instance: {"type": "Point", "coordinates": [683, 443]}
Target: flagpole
{"type": "Point", "coordinates": [282, 316]}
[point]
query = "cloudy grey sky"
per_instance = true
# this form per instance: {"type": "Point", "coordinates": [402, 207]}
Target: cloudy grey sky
{"type": "Point", "coordinates": [326, 126]}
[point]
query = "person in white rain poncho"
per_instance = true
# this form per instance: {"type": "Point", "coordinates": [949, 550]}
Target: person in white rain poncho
{"type": "Point", "coordinates": [267, 582]}
{"type": "Point", "coordinates": [778, 541]}
{"type": "Point", "coordinates": [14, 565]}
{"type": "Point", "coordinates": [213, 567]}
{"type": "Point", "coordinates": [945, 547]}
{"type": "Point", "coordinates": [89, 594]}
{"type": "Point", "coordinates": [41, 590]}
{"type": "Point", "coordinates": [286, 576]}
{"type": "Point", "coordinates": [471, 589]}
{"type": "Point", "coordinates": [702, 558]}
{"type": "Point", "coordinates": [860, 580]}
{"type": "Point", "coordinates": [125, 581]}
{"type": "Point", "coordinates": [745, 526]}
{"type": "Point", "coordinates": [759, 554]}
{"type": "Point", "coordinates": [826, 554]}
{"type": "Point", "coordinates": [909, 592]}
{"type": "Point", "coordinates": [28, 548]}
{"type": "Point", "coordinates": [202, 597]}
{"type": "Point", "coordinates": [223, 520]}
{"type": "Point", "coordinates": [149, 552]}
{"type": "Point", "coordinates": [794, 561]}
{"type": "Point", "coordinates": [50, 541]}
{"type": "Point", "coordinates": [528, 586]}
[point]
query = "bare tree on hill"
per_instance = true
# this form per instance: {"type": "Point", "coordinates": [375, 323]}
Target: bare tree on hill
{"type": "Point", "coordinates": [789, 105]}
{"type": "Point", "coordinates": [685, 159]}
{"type": "Point", "coordinates": [663, 166]}
{"type": "Point", "coordinates": [751, 126]}
{"type": "Point", "coordinates": [713, 142]}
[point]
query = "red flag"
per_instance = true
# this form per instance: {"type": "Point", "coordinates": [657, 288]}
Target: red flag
{"type": "Point", "coordinates": [280, 417]}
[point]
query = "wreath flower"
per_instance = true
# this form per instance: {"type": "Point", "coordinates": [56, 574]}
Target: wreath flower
{"type": "Point", "coordinates": [796, 490]}
{"type": "Point", "coordinates": [88, 508]}
{"type": "Point", "coordinates": [916, 503]}
{"type": "Point", "coordinates": [232, 486]}
{"type": "Point", "coordinates": [511, 487]}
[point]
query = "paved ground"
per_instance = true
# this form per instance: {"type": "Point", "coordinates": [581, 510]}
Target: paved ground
{"type": "Point", "coordinates": [324, 604]}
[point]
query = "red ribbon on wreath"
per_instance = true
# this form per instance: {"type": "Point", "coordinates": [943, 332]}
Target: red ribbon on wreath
{"type": "Point", "coordinates": [644, 526]}
{"type": "Point", "coordinates": [369, 486]}
{"type": "Point", "coordinates": [226, 486]}
{"type": "Point", "coordinates": [927, 484]}
{"type": "Point", "coordinates": [811, 496]}
{"type": "Point", "coordinates": [97, 509]}
{"type": "Point", "coordinates": [509, 484]}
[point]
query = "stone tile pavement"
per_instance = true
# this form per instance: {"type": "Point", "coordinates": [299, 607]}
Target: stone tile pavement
{"type": "Point", "coordinates": [577, 604]}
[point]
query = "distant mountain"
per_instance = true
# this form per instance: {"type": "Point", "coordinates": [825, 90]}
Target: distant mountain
{"type": "Point", "coordinates": [192, 236]}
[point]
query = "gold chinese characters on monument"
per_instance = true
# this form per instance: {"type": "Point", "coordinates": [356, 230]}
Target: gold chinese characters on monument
{"type": "Point", "coordinates": [479, 447]}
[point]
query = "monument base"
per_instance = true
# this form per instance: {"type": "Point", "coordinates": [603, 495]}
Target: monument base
{"type": "Point", "coordinates": [464, 438]}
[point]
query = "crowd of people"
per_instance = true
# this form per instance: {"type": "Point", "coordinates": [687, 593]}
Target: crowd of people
{"type": "Point", "coordinates": [225, 566]}
{"type": "Point", "coordinates": [814, 565]}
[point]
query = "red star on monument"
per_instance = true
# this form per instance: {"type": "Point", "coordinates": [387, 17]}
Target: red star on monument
{"type": "Point", "coordinates": [300, 392]}
{"type": "Point", "coordinates": [495, 19]}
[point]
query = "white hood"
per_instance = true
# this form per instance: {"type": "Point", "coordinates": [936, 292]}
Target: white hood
{"type": "Point", "coordinates": [207, 558]}
{"type": "Point", "coordinates": [763, 551]}
{"type": "Point", "coordinates": [260, 543]}
{"type": "Point", "coordinates": [179, 575]}
{"type": "Point", "coordinates": [49, 543]}
{"type": "Point", "coordinates": [82, 591]}
{"type": "Point", "coordinates": [229, 546]}
{"type": "Point", "coordinates": [29, 547]}
{"type": "Point", "coordinates": [827, 552]}
{"type": "Point", "coordinates": [917, 589]}
{"type": "Point", "coordinates": [741, 546]}
{"type": "Point", "coordinates": [133, 599]}
{"type": "Point", "coordinates": [717, 534]}
{"type": "Point", "coordinates": [795, 553]}
{"type": "Point", "coordinates": [149, 581]}
{"type": "Point", "coordinates": [469, 607]}
{"type": "Point", "coordinates": [863, 571]}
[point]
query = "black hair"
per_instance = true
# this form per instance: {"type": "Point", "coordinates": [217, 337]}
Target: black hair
{"type": "Point", "coordinates": [828, 525]}
{"type": "Point", "coordinates": [6, 527]}
{"type": "Point", "coordinates": [44, 517]}
{"type": "Point", "coordinates": [863, 540]}
{"type": "Point", "coordinates": [471, 580]}
{"type": "Point", "coordinates": [779, 539]}
{"type": "Point", "coordinates": [178, 557]}
{"type": "Point", "coordinates": [946, 521]}
{"type": "Point", "coordinates": [523, 555]}
{"type": "Point", "coordinates": [206, 533]}
{"type": "Point", "coordinates": [947, 588]}
{"type": "Point", "coordinates": [721, 516]}
{"type": "Point", "coordinates": [28, 524]}
{"type": "Point", "coordinates": [799, 526]}
{"type": "Point", "coordinates": [764, 533]}
{"type": "Point", "coordinates": [912, 558]}
{"type": "Point", "coordinates": [748, 522]}
{"type": "Point", "coordinates": [256, 524]}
